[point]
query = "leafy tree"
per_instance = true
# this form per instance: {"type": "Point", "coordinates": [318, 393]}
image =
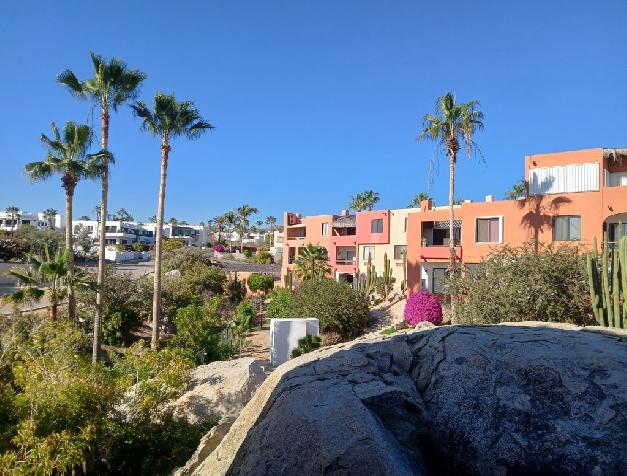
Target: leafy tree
{"type": "Point", "coordinates": [243, 223]}
{"type": "Point", "coordinates": [451, 124]}
{"type": "Point", "coordinates": [123, 215]}
{"type": "Point", "coordinates": [515, 284]}
{"type": "Point", "coordinates": [14, 212]}
{"type": "Point", "coordinates": [36, 241]}
{"type": "Point", "coordinates": [112, 84]}
{"type": "Point", "coordinates": [519, 189]}
{"type": "Point", "coordinates": [168, 120]}
{"type": "Point", "coordinates": [312, 263]}
{"type": "Point", "coordinates": [280, 302]}
{"type": "Point", "coordinates": [84, 240]}
{"type": "Point", "coordinates": [260, 282]}
{"type": "Point", "coordinates": [263, 257]}
{"type": "Point", "coordinates": [415, 202]}
{"type": "Point", "coordinates": [243, 321]}
{"type": "Point", "coordinates": [67, 156]}
{"type": "Point", "coordinates": [364, 201]}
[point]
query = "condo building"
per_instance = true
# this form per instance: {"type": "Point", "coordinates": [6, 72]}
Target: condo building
{"type": "Point", "coordinates": [572, 197]}
{"type": "Point", "coordinates": [9, 222]}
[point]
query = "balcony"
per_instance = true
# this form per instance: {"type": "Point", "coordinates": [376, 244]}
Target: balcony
{"type": "Point", "coordinates": [439, 252]}
{"type": "Point", "coordinates": [348, 261]}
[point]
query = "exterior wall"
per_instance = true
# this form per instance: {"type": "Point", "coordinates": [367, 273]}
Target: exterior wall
{"type": "Point", "coordinates": [36, 220]}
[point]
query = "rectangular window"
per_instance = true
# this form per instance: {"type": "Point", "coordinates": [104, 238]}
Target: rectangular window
{"type": "Point", "coordinates": [437, 281]}
{"type": "Point", "coordinates": [488, 230]}
{"type": "Point", "coordinates": [399, 251]}
{"type": "Point", "coordinates": [376, 226]}
{"type": "Point", "coordinates": [567, 228]}
{"type": "Point", "coordinates": [405, 226]}
{"type": "Point", "coordinates": [368, 252]}
{"type": "Point", "coordinates": [325, 229]}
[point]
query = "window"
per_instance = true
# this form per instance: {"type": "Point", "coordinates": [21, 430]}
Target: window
{"type": "Point", "coordinates": [405, 226]}
{"type": "Point", "coordinates": [325, 229]}
{"type": "Point", "coordinates": [376, 226]}
{"type": "Point", "coordinates": [488, 230]}
{"type": "Point", "coordinates": [400, 251]}
{"type": "Point", "coordinates": [437, 281]}
{"type": "Point", "coordinates": [567, 228]}
{"type": "Point", "coordinates": [368, 252]}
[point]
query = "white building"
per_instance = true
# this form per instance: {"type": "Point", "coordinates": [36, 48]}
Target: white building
{"type": "Point", "coordinates": [190, 235]}
{"type": "Point", "coordinates": [37, 220]}
{"type": "Point", "coordinates": [277, 245]}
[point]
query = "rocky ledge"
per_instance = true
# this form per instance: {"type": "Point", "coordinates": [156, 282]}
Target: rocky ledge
{"type": "Point", "coordinates": [523, 399]}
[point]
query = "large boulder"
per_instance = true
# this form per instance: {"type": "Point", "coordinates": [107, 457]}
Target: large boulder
{"type": "Point", "coordinates": [523, 399]}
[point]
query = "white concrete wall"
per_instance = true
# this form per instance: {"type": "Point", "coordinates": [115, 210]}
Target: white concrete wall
{"type": "Point", "coordinates": [285, 334]}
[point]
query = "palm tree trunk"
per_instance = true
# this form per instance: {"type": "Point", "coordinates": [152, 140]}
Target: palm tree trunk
{"type": "Point", "coordinates": [53, 307]}
{"type": "Point", "coordinates": [100, 296]}
{"type": "Point", "coordinates": [156, 296]}
{"type": "Point", "coordinates": [71, 300]}
{"type": "Point", "coordinates": [451, 240]}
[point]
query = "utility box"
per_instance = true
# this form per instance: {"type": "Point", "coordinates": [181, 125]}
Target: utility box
{"type": "Point", "coordinates": [285, 334]}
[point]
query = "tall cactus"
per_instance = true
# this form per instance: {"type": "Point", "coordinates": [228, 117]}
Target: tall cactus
{"type": "Point", "coordinates": [288, 280]}
{"type": "Point", "coordinates": [387, 280]}
{"type": "Point", "coordinates": [404, 282]}
{"type": "Point", "coordinates": [368, 282]}
{"type": "Point", "coordinates": [607, 278]}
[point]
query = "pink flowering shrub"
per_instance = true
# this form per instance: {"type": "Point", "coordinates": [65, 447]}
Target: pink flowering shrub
{"type": "Point", "coordinates": [219, 248]}
{"type": "Point", "coordinates": [422, 307]}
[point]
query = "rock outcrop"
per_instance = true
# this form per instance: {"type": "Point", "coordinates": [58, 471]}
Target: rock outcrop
{"type": "Point", "coordinates": [523, 399]}
{"type": "Point", "coordinates": [219, 391]}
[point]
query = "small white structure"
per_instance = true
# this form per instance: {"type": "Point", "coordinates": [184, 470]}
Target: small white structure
{"type": "Point", "coordinates": [285, 334]}
{"type": "Point", "coordinates": [111, 254]}
{"type": "Point", "coordinates": [37, 220]}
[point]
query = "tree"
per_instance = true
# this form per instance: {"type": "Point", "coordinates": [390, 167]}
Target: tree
{"type": "Point", "coordinates": [259, 226]}
{"type": "Point", "coordinates": [364, 201]}
{"type": "Point", "coordinates": [123, 215]}
{"type": "Point", "coordinates": [112, 84]}
{"type": "Point", "coordinates": [97, 212]}
{"type": "Point", "coordinates": [67, 156]}
{"type": "Point", "coordinates": [243, 214]}
{"type": "Point", "coordinates": [47, 271]}
{"type": "Point", "coordinates": [231, 222]}
{"type": "Point", "coordinates": [84, 218]}
{"type": "Point", "coordinates": [271, 222]}
{"type": "Point", "coordinates": [451, 124]}
{"type": "Point", "coordinates": [152, 219]}
{"type": "Point", "coordinates": [83, 240]}
{"type": "Point", "coordinates": [519, 189]}
{"type": "Point", "coordinates": [168, 119]}
{"type": "Point", "coordinates": [173, 221]}
{"type": "Point", "coordinates": [14, 212]}
{"type": "Point", "coordinates": [415, 202]}
{"type": "Point", "coordinates": [219, 226]}
{"type": "Point", "coordinates": [312, 263]}
{"type": "Point", "coordinates": [50, 214]}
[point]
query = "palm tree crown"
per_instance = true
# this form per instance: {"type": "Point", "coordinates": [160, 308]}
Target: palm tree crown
{"type": "Point", "coordinates": [415, 201]}
{"type": "Point", "coordinates": [364, 201]}
{"type": "Point", "coordinates": [170, 118]}
{"type": "Point", "coordinates": [312, 262]}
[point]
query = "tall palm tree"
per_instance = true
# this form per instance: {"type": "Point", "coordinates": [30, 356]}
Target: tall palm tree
{"type": "Point", "coordinates": [168, 119]}
{"type": "Point", "coordinates": [219, 226]}
{"type": "Point", "coordinates": [231, 223]}
{"type": "Point", "coordinates": [97, 210]}
{"type": "Point", "coordinates": [519, 189]}
{"type": "Point", "coordinates": [14, 212]}
{"type": "Point", "coordinates": [451, 124]}
{"type": "Point", "coordinates": [67, 156]}
{"type": "Point", "coordinates": [112, 85]}
{"type": "Point", "coordinates": [415, 201]}
{"type": "Point", "coordinates": [50, 214]}
{"type": "Point", "coordinates": [271, 222]}
{"type": "Point", "coordinates": [312, 262]}
{"type": "Point", "coordinates": [243, 213]}
{"type": "Point", "coordinates": [364, 201]}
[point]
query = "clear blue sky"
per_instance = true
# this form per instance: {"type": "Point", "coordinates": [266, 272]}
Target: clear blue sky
{"type": "Point", "coordinates": [313, 101]}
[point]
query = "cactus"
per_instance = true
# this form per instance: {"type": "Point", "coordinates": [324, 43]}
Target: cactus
{"type": "Point", "coordinates": [404, 282]}
{"type": "Point", "coordinates": [367, 282]}
{"type": "Point", "coordinates": [607, 278]}
{"type": "Point", "coordinates": [387, 280]}
{"type": "Point", "coordinates": [288, 281]}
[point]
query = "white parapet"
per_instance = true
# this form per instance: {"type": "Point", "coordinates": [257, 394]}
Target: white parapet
{"type": "Point", "coordinates": [285, 334]}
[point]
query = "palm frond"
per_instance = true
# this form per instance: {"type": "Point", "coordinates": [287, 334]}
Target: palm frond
{"type": "Point", "coordinates": [68, 79]}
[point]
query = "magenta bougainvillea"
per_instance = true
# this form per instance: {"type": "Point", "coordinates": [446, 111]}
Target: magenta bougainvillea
{"type": "Point", "coordinates": [218, 248]}
{"type": "Point", "coordinates": [422, 307]}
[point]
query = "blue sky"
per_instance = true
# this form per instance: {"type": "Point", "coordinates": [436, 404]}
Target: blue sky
{"type": "Point", "coordinates": [313, 101]}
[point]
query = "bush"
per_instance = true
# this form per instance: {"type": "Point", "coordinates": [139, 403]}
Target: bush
{"type": "Point", "coordinates": [280, 302]}
{"type": "Point", "coordinates": [260, 282]}
{"type": "Point", "coordinates": [248, 253]}
{"type": "Point", "coordinates": [137, 247]}
{"type": "Point", "coordinates": [200, 279]}
{"type": "Point", "coordinates": [339, 308]}
{"type": "Point", "coordinates": [518, 284]}
{"type": "Point", "coordinates": [12, 249]}
{"type": "Point", "coordinates": [120, 247]}
{"type": "Point", "coordinates": [422, 307]}
{"type": "Point", "coordinates": [236, 290]}
{"type": "Point", "coordinates": [306, 344]}
{"type": "Point", "coordinates": [263, 257]}
{"type": "Point", "coordinates": [219, 248]}
{"type": "Point", "coordinates": [169, 244]}
{"type": "Point", "coordinates": [245, 312]}
{"type": "Point", "coordinates": [183, 259]}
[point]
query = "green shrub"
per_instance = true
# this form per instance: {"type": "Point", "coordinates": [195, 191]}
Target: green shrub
{"type": "Point", "coordinates": [517, 284]}
{"type": "Point", "coordinates": [137, 247]}
{"type": "Point", "coordinates": [280, 302]}
{"type": "Point", "coordinates": [260, 282]}
{"type": "Point", "coordinates": [183, 258]}
{"type": "Point", "coordinates": [263, 257]}
{"type": "Point", "coordinates": [199, 279]}
{"type": "Point", "coordinates": [236, 290]}
{"type": "Point", "coordinates": [245, 312]}
{"type": "Point", "coordinates": [169, 244]}
{"type": "Point", "coordinates": [248, 253]}
{"type": "Point", "coordinates": [120, 247]}
{"type": "Point", "coordinates": [306, 344]}
{"type": "Point", "coordinates": [339, 308]}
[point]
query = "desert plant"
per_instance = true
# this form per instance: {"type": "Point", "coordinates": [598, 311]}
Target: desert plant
{"type": "Point", "coordinates": [404, 282]}
{"type": "Point", "coordinates": [305, 345]}
{"type": "Point", "coordinates": [367, 282]}
{"type": "Point", "coordinates": [385, 283]}
{"type": "Point", "coordinates": [607, 277]}
{"type": "Point", "coordinates": [422, 307]}
{"type": "Point", "coordinates": [338, 307]}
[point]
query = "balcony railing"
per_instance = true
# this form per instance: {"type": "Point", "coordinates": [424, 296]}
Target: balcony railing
{"type": "Point", "coordinates": [350, 261]}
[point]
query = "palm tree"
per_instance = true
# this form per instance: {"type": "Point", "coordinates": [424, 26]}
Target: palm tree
{"type": "Point", "coordinates": [243, 214]}
{"type": "Point", "coordinates": [152, 219]}
{"type": "Point", "coordinates": [519, 189]}
{"type": "Point", "coordinates": [123, 215]}
{"type": "Point", "coordinates": [49, 272]}
{"type": "Point", "coordinates": [112, 85]}
{"type": "Point", "coordinates": [97, 212]}
{"type": "Point", "coordinates": [50, 214]}
{"type": "Point", "coordinates": [68, 157]}
{"type": "Point", "coordinates": [231, 223]}
{"type": "Point", "coordinates": [14, 212]}
{"type": "Point", "coordinates": [451, 124]}
{"type": "Point", "coordinates": [271, 222]}
{"type": "Point", "coordinates": [312, 262]}
{"type": "Point", "coordinates": [364, 201]}
{"type": "Point", "coordinates": [168, 119]}
{"type": "Point", "coordinates": [415, 202]}
{"type": "Point", "coordinates": [219, 226]}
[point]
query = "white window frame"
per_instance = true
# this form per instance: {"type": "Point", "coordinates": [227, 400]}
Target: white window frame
{"type": "Point", "coordinates": [500, 217]}
{"type": "Point", "coordinates": [371, 254]}
{"type": "Point", "coordinates": [325, 229]}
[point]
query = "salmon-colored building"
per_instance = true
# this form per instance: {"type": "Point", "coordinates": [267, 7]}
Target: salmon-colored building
{"type": "Point", "coordinates": [571, 197]}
